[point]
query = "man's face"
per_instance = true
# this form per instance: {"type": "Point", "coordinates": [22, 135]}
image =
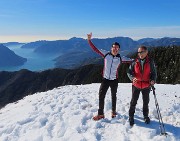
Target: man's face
{"type": "Point", "coordinates": [115, 49]}
{"type": "Point", "coordinates": [142, 53]}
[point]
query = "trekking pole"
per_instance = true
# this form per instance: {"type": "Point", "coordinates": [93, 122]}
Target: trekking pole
{"type": "Point", "coordinates": [161, 124]}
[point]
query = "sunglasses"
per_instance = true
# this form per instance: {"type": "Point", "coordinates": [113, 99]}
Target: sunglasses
{"type": "Point", "coordinates": [141, 52]}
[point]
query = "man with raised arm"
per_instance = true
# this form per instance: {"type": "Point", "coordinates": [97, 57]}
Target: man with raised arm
{"type": "Point", "coordinates": [112, 61]}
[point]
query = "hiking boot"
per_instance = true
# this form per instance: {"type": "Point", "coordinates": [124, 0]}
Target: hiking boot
{"type": "Point", "coordinates": [114, 114]}
{"type": "Point", "coordinates": [147, 120]}
{"type": "Point", "coordinates": [98, 117]}
{"type": "Point", "coordinates": [131, 121]}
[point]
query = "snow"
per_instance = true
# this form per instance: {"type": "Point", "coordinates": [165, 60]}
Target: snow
{"type": "Point", "coordinates": [65, 114]}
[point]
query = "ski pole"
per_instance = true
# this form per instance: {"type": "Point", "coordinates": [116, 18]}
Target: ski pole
{"type": "Point", "coordinates": [161, 124]}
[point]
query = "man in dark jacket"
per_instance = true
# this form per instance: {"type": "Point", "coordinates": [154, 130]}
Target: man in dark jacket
{"type": "Point", "coordinates": [112, 61]}
{"type": "Point", "coordinates": [142, 73]}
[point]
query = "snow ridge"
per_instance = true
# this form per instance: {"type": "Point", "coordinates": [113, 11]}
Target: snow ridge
{"type": "Point", "coordinates": [65, 114]}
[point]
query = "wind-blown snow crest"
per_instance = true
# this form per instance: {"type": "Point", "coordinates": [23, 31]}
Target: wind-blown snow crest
{"type": "Point", "coordinates": [65, 114]}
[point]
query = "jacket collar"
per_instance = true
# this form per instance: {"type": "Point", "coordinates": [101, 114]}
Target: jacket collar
{"type": "Point", "coordinates": [146, 59]}
{"type": "Point", "coordinates": [118, 55]}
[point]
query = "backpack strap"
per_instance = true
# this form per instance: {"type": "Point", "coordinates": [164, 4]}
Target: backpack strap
{"type": "Point", "coordinates": [107, 54]}
{"type": "Point", "coordinates": [118, 55]}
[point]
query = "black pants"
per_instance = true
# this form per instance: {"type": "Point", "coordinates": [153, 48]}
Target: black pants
{"type": "Point", "coordinates": [135, 96]}
{"type": "Point", "coordinates": [113, 84]}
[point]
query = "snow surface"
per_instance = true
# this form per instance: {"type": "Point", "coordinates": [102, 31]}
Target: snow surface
{"type": "Point", "coordinates": [65, 114]}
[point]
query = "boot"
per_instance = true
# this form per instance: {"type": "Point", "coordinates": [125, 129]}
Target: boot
{"type": "Point", "coordinates": [98, 117]}
{"type": "Point", "coordinates": [131, 121]}
{"type": "Point", "coordinates": [114, 114]}
{"type": "Point", "coordinates": [147, 120]}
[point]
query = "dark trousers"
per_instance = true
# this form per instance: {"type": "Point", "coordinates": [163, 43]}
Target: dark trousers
{"type": "Point", "coordinates": [113, 84]}
{"type": "Point", "coordinates": [135, 96]}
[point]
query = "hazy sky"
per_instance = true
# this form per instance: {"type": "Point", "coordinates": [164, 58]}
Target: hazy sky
{"type": "Point", "coordinates": [31, 20]}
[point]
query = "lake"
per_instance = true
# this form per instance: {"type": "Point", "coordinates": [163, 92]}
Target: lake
{"type": "Point", "coordinates": [35, 61]}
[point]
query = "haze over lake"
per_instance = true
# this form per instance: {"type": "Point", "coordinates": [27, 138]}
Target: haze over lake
{"type": "Point", "coordinates": [35, 62]}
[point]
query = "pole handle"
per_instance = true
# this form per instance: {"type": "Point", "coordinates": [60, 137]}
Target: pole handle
{"type": "Point", "coordinates": [153, 88]}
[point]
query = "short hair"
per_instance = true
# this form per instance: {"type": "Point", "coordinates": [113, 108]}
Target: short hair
{"type": "Point", "coordinates": [143, 47]}
{"type": "Point", "coordinates": [116, 43]}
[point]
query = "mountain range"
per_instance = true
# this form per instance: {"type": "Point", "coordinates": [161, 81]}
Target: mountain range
{"type": "Point", "coordinates": [80, 44]}
{"type": "Point", "coordinates": [75, 52]}
{"type": "Point", "coordinates": [166, 41]}
{"type": "Point", "coordinates": [12, 43]}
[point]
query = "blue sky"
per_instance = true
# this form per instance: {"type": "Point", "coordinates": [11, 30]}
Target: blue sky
{"type": "Point", "coordinates": [31, 20]}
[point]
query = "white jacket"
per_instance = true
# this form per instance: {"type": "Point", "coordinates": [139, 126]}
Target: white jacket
{"type": "Point", "coordinates": [111, 62]}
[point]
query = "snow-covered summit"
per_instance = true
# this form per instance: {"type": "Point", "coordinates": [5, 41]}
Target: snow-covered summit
{"type": "Point", "coordinates": [65, 114]}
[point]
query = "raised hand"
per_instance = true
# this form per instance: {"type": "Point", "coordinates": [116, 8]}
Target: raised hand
{"type": "Point", "coordinates": [89, 36]}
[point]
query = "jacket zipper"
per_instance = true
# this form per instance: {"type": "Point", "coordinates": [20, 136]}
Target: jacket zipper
{"type": "Point", "coordinates": [141, 73]}
{"type": "Point", "coordinates": [111, 67]}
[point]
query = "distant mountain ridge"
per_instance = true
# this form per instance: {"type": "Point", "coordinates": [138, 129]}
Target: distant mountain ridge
{"type": "Point", "coordinates": [77, 44]}
{"type": "Point", "coordinates": [166, 41]}
{"type": "Point", "coordinates": [12, 43]}
{"type": "Point", "coordinates": [34, 45]}
{"type": "Point", "coordinates": [143, 40]}
{"type": "Point", "coordinates": [76, 51]}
